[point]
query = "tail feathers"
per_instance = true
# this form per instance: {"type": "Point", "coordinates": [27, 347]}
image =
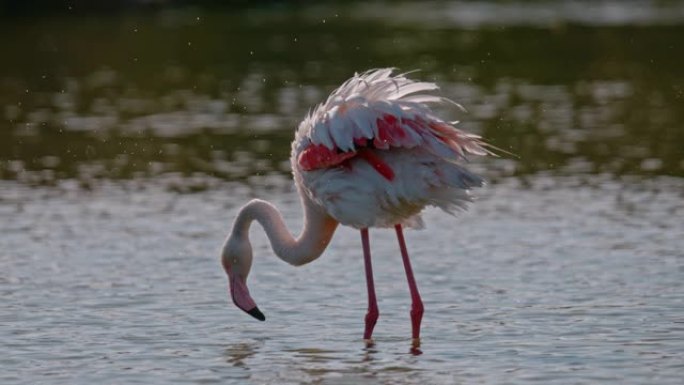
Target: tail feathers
{"type": "Point", "coordinates": [459, 177]}
{"type": "Point", "coordinates": [453, 195]}
{"type": "Point", "coordinates": [451, 201]}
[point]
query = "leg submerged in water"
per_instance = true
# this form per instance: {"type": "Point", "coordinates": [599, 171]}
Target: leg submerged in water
{"type": "Point", "coordinates": [416, 301]}
{"type": "Point", "coordinates": [373, 313]}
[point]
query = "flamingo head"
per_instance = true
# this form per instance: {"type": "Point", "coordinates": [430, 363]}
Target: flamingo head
{"type": "Point", "coordinates": [236, 259]}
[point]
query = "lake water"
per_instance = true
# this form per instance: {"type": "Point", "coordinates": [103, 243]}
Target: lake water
{"type": "Point", "coordinates": [128, 141]}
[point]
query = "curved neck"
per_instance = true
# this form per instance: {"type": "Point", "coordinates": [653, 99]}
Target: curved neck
{"type": "Point", "coordinates": [317, 230]}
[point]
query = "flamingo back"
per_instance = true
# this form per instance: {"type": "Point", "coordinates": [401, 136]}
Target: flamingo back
{"type": "Point", "coordinates": [375, 154]}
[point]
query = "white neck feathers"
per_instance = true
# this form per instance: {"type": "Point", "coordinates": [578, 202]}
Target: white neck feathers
{"type": "Point", "coordinates": [315, 236]}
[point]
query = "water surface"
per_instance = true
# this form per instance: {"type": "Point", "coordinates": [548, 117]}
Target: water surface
{"type": "Point", "coordinates": [554, 283]}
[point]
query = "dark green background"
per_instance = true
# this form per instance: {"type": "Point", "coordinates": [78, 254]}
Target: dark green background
{"type": "Point", "coordinates": [142, 91]}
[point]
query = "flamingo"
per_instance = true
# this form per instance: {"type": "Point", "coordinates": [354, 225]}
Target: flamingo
{"type": "Point", "coordinates": [374, 154]}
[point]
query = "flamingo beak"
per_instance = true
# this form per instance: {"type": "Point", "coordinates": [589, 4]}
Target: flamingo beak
{"type": "Point", "coordinates": [256, 313]}
{"type": "Point", "coordinates": [241, 298]}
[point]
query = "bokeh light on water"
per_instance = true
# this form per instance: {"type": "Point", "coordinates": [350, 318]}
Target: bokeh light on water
{"type": "Point", "coordinates": [220, 91]}
{"type": "Point", "coordinates": [129, 138]}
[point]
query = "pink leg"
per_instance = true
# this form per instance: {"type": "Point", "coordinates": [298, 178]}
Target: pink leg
{"type": "Point", "coordinates": [416, 302]}
{"type": "Point", "coordinates": [372, 315]}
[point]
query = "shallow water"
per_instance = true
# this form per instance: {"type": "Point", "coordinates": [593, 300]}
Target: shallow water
{"type": "Point", "coordinates": [558, 282]}
{"type": "Point", "coordinates": [129, 139]}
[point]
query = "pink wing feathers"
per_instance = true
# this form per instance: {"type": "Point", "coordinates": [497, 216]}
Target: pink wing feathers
{"type": "Point", "coordinates": [377, 111]}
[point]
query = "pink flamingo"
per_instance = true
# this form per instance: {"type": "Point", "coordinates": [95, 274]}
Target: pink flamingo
{"type": "Point", "coordinates": [373, 155]}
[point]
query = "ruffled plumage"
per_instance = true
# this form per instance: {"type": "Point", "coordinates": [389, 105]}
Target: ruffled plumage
{"type": "Point", "coordinates": [375, 154]}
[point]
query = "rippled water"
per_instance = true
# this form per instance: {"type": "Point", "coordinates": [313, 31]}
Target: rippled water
{"type": "Point", "coordinates": [129, 139]}
{"type": "Point", "coordinates": [557, 282]}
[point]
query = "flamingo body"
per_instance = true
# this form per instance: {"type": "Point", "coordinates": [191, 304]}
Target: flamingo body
{"type": "Point", "coordinates": [372, 155]}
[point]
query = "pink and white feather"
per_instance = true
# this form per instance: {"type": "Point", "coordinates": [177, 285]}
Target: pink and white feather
{"type": "Point", "coordinates": [375, 146]}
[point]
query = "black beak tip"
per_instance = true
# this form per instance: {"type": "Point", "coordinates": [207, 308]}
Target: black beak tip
{"type": "Point", "coordinates": [256, 313]}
